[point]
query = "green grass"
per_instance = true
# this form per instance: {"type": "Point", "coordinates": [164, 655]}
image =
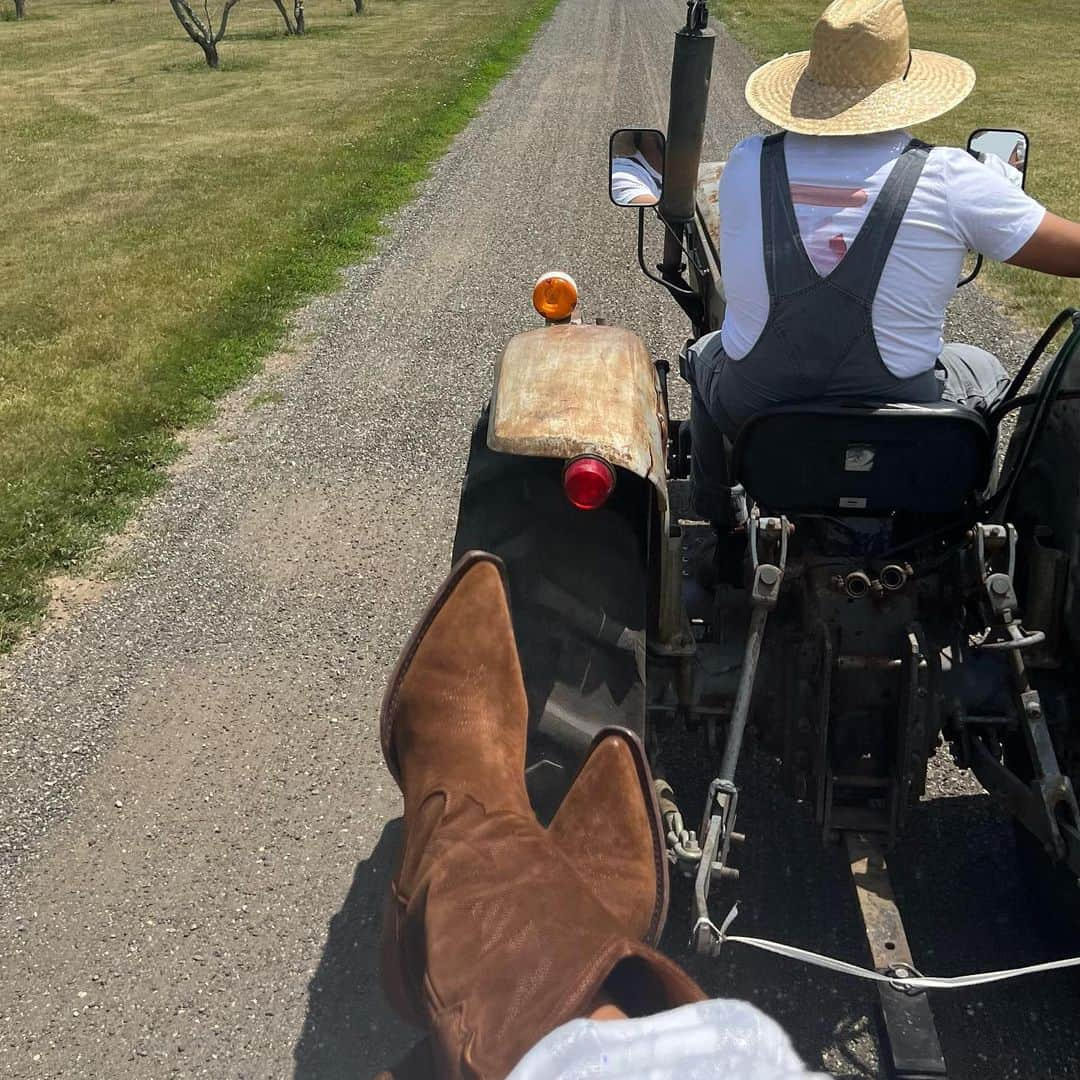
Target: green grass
{"type": "Point", "coordinates": [161, 221]}
{"type": "Point", "coordinates": [1028, 70]}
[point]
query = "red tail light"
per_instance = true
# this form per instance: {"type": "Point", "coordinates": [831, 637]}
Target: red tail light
{"type": "Point", "coordinates": [588, 482]}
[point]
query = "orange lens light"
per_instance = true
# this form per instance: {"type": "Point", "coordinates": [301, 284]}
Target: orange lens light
{"type": "Point", "coordinates": [555, 296]}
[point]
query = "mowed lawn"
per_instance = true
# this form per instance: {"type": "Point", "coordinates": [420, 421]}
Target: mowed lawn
{"type": "Point", "coordinates": [160, 220]}
{"type": "Point", "coordinates": [1028, 70]}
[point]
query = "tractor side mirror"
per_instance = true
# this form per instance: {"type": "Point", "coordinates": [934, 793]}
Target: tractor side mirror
{"type": "Point", "coordinates": [636, 166]}
{"type": "Point", "coordinates": [1003, 150]}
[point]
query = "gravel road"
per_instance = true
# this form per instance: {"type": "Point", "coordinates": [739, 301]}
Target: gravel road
{"type": "Point", "coordinates": [197, 825]}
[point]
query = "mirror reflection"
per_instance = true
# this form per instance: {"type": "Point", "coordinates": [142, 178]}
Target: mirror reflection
{"type": "Point", "coordinates": [1004, 150]}
{"type": "Point", "coordinates": [637, 166]}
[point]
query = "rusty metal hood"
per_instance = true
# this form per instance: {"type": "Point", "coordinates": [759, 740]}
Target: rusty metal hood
{"type": "Point", "coordinates": [571, 389]}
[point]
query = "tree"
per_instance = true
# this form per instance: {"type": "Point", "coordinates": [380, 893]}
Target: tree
{"type": "Point", "coordinates": [289, 28]}
{"type": "Point", "coordinates": [201, 31]}
{"type": "Point", "coordinates": [296, 24]}
{"type": "Point", "coordinates": [20, 8]}
{"type": "Point", "coordinates": [359, 6]}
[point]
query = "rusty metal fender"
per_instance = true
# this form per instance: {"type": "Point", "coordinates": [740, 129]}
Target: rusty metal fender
{"type": "Point", "coordinates": [573, 389]}
{"type": "Point", "coordinates": [708, 199]}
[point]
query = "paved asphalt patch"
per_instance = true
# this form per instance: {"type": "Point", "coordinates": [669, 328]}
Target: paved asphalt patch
{"type": "Point", "coordinates": [197, 825]}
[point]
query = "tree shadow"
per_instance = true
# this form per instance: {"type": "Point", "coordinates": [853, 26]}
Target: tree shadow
{"type": "Point", "coordinates": [194, 64]}
{"type": "Point", "coordinates": [350, 1031]}
{"type": "Point", "coordinates": [277, 34]}
{"type": "Point", "coordinates": [328, 30]}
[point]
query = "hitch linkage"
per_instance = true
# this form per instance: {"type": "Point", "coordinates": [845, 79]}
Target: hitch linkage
{"type": "Point", "coordinates": [1047, 806]}
{"type": "Point", "coordinates": [768, 538]}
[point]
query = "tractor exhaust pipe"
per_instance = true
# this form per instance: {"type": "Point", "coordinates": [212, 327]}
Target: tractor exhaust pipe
{"type": "Point", "coordinates": [691, 67]}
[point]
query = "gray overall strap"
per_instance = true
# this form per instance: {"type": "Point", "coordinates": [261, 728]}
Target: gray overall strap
{"type": "Point", "coordinates": [787, 267]}
{"type": "Point", "coordinates": [861, 268]}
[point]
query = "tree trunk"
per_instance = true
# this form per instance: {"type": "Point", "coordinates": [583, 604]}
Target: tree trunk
{"type": "Point", "coordinates": [280, 5]}
{"type": "Point", "coordinates": [359, 6]}
{"type": "Point", "coordinates": [210, 49]}
{"type": "Point", "coordinates": [20, 8]}
{"type": "Point", "coordinates": [298, 16]}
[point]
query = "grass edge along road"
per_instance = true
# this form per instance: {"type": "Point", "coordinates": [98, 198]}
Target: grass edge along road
{"type": "Point", "coordinates": [999, 38]}
{"type": "Point", "coordinates": [55, 509]}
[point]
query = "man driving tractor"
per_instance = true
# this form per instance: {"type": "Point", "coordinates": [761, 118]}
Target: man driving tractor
{"type": "Point", "coordinates": [521, 949]}
{"type": "Point", "coordinates": [843, 238]}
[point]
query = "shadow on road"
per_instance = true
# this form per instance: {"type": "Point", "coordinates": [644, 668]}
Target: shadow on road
{"type": "Point", "coordinates": [794, 890]}
{"type": "Point", "coordinates": [961, 887]}
{"type": "Point", "coordinates": [972, 902]}
{"type": "Point", "coordinates": [349, 1031]}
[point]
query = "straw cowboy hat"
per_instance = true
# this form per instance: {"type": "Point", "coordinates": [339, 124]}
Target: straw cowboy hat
{"type": "Point", "coordinates": [860, 76]}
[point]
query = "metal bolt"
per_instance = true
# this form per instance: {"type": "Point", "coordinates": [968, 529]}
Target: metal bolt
{"type": "Point", "coordinates": [770, 575]}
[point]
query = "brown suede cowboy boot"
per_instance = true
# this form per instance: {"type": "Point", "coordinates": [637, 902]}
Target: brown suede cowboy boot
{"type": "Point", "coordinates": [609, 824]}
{"type": "Point", "coordinates": [494, 936]}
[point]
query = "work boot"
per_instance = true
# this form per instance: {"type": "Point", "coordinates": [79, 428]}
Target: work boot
{"type": "Point", "coordinates": [494, 935]}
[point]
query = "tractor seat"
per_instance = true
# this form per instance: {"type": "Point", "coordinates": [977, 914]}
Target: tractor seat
{"type": "Point", "coordinates": [859, 458]}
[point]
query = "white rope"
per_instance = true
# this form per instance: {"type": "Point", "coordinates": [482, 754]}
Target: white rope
{"type": "Point", "coordinates": [912, 982]}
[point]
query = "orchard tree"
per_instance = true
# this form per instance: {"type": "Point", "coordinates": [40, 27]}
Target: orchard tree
{"type": "Point", "coordinates": [296, 24]}
{"type": "Point", "coordinates": [358, 5]}
{"type": "Point", "coordinates": [201, 30]}
{"type": "Point", "coordinates": [20, 9]}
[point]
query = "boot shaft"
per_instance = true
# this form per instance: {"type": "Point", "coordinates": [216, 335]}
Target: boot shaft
{"type": "Point", "coordinates": [455, 717]}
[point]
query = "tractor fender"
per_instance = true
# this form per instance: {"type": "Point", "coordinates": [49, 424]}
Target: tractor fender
{"type": "Point", "coordinates": [573, 389]}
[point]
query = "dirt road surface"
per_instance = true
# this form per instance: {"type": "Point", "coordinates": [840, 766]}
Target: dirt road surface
{"type": "Point", "coordinates": [197, 825]}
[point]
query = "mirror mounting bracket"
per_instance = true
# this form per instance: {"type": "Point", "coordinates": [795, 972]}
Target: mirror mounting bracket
{"type": "Point", "coordinates": [676, 286]}
{"type": "Point", "coordinates": [697, 15]}
{"type": "Point", "coordinates": [674, 282]}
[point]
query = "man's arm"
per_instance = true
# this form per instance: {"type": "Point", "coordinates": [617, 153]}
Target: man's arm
{"type": "Point", "coordinates": [1054, 248]}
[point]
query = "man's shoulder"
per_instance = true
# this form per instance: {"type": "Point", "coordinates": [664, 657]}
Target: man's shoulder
{"type": "Point", "coordinates": [748, 148]}
{"type": "Point", "coordinates": [743, 161]}
{"type": "Point", "coordinates": [958, 170]}
{"type": "Point", "coordinates": [951, 153]}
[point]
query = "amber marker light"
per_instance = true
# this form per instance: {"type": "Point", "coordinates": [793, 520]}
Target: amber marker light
{"type": "Point", "coordinates": [555, 296]}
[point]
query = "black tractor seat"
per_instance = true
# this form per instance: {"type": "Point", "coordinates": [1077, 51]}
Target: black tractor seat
{"type": "Point", "coordinates": [864, 458]}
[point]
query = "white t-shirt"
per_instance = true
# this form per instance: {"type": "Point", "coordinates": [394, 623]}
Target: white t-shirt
{"type": "Point", "coordinates": [631, 177]}
{"type": "Point", "coordinates": [958, 204]}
